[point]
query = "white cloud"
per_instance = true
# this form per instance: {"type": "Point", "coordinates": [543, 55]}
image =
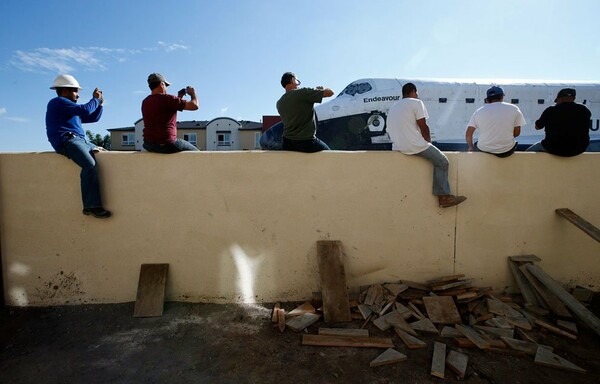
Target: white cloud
{"type": "Point", "coordinates": [224, 109]}
{"type": "Point", "coordinates": [65, 60]}
{"type": "Point", "coordinates": [2, 111]}
{"type": "Point", "coordinates": [18, 119]}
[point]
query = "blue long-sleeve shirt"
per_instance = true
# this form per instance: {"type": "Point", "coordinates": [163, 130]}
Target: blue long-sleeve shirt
{"type": "Point", "coordinates": [64, 116]}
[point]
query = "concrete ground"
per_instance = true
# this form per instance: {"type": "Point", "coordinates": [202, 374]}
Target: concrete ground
{"type": "Point", "coordinates": [206, 343]}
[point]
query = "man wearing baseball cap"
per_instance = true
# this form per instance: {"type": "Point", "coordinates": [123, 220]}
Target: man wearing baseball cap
{"type": "Point", "coordinates": [159, 111]}
{"type": "Point", "coordinates": [566, 125]}
{"type": "Point", "coordinates": [498, 124]}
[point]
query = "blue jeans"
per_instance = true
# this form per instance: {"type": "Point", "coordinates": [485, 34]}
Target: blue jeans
{"type": "Point", "coordinates": [174, 147]}
{"type": "Point", "coordinates": [307, 146]}
{"type": "Point", "coordinates": [440, 169]}
{"type": "Point", "coordinates": [80, 151]}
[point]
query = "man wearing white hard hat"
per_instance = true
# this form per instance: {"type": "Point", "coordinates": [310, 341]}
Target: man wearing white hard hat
{"type": "Point", "coordinates": [64, 118]}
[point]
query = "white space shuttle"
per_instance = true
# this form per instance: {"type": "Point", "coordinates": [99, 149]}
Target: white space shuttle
{"type": "Point", "coordinates": [356, 118]}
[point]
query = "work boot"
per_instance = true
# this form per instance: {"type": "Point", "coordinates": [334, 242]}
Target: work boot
{"type": "Point", "coordinates": [97, 212]}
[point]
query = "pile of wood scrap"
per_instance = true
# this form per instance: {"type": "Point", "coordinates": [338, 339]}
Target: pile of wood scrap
{"type": "Point", "coordinates": [455, 314]}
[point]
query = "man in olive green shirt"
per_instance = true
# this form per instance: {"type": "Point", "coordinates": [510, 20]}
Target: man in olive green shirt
{"type": "Point", "coordinates": [296, 110]}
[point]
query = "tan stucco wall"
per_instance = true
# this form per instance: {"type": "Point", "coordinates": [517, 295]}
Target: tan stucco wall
{"type": "Point", "coordinates": [243, 226]}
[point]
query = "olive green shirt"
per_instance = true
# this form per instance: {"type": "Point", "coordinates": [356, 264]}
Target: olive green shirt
{"type": "Point", "coordinates": [296, 110]}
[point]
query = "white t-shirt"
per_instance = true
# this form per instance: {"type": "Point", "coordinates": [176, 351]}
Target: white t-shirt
{"type": "Point", "coordinates": [495, 124]}
{"type": "Point", "coordinates": [402, 126]}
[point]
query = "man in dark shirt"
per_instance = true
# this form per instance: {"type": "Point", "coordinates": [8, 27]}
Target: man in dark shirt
{"type": "Point", "coordinates": [296, 110]}
{"type": "Point", "coordinates": [567, 126]}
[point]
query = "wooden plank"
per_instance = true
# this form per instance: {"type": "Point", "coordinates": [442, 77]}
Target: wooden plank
{"type": "Point", "coordinates": [520, 345]}
{"type": "Point", "coordinates": [551, 301]}
{"type": "Point", "coordinates": [298, 323]}
{"type": "Point", "coordinates": [365, 310]}
{"type": "Point", "coordinates": [333, 281]}
{"type": "Point", "coordinates": [473, 336]}
{"type": "Point", "coordinates": [424, 325]}
{"type": "Point", "coordinates": [555, 330]}
{"type": "Point", "coordinates": [410, 341]}
{"type": "Point", "coordinates": [415, 285]}
{"type": "Point", "coordinates": [450, 332]}
{"type": "Point", "coordinates": [456, 284]}
{"type": "Point", "coordinates": [381, 322]}
{"type": "Point", "coordinates": [397, 321]}
{"type": "Point", "coordinates": [390, 356]}
{"type": "Point", "coordinates": [457, 362]}
{"type": "Point", "coordinates": [344, 332]}
{"type": "Point", "coordinates": [395, 289]}
{"type": "Point", "coordinates": [546, 358]}
{"type": "Point", "coordinates": [567, 326]}
{"type": "Point", "coordinates": [445, 279]}
{"type": "Point", "coordinates": [307, 307]}
{"type": "Point", "coordinates": [281, 319]}
{"type": "Point", "coordinates": [346, 341]}
{"type": "Point", "coordinates": [416, 311]}
{"type": "Point", "coordinates": [441, 309]}
{"type": "Point", "coordinates": [480, 293]}
{"type": "Point", "coordinates": [573, 304]}
{"type": "Point", "coordinates": [276, 307]}
{"type": "Point", "coordinates": [583, 294]}
{"type": "Point", "coordinates": [499, 322]}
{"type": "Point", "coordinates": [525, 258]}
{"type": "Point", "coordinates": [524, 286]}
{"type": "Point", "coordinates": [373, 293]}
{"type": "Point", "coordinates": [404, 311]}
{"type": "Point", "coordinates": [580, 223]}
{"type": "Point", "coordinates": [497, 332]}
{"type": "Point", "coordinates": [151, 290]}
{"type": "Point", "coordinates": [438, 361]}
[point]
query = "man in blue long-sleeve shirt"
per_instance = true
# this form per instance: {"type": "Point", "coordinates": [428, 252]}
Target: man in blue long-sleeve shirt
{"type": "Point", "coordinates": [63, 127]}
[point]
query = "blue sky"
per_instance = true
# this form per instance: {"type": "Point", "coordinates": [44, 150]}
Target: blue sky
{"type": "Point", "coordinates": [234, 51]}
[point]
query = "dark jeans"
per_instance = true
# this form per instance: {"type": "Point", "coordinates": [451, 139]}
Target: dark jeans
{"type": "Point", "coordinates": [503, 154]}
{"type": "Point", "coordinates": [307, 146]}
{"type": "Point", "coordinates": [81, 152]}
{"type": "Point", "coordinates": [174, 147]}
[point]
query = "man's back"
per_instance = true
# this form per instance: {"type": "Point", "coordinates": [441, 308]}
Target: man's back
{"type": "Point", "coordinates": [495, 123]}
{"type": "Point", "coordinates": [403, 128]}
{"type": "Point", "coordinates": [567, 128]}
{"type": "Point", "coordinates": [160, 117]}
{"type": "Point", "coordinates": [296, 110]}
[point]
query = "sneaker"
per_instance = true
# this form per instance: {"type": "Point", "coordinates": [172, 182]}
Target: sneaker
{"type": "Point", "coordinates": [450, 200]}
{"type": "Point", "coordinates": [97, 212]}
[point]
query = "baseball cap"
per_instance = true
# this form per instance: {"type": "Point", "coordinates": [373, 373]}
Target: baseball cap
{"type": "Point", "coordinates": [495, 91]}
{"type": "Point", "coordinates": [565, 92]}
{"type": "Point", "coordinates": [157, 78]}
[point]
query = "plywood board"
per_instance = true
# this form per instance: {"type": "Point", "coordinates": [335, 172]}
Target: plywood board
{"type": "Point", "coordinates": [525, 258]}
{"type": "Point", "coordinates": [395, 289]}
{"type": "Point", "coordinates": [450, 332]}
{"type": "Point", "coordinates": [298, 323]}
{"type": "Point", "coordinates": [438, 361]}
{"type": "Point", "coordinates": [473, 336]}
{"type": "Point", "coordinates": [549, 359]}
{"type": "Point", "coordinates": [424, 325]}
{"type": "Point", "coordinates": [520, 345]}
{"type": "Point", "coordinates": [580, 223]}
{"type": "Point", "coordinates": [307, 307]}
{"type": "Point", "coordinates": [524, 286]}
{"type": "Point", "coordinates": [496, 332]}
{"type": "Point", "coordinates": [390, 356]}
{"type": "Point", "coordinates": [397, 321]}
{"type": "Point", "coordinates": [457, 362]}
{"type": "Point", "coordinates": [365, 310]}
{"type": "Point", "coordinates": [333, 281]}
{"type": "Point", "coordinates": [411, 342]}
{"type": "Point", "coordinates": [551, 301]}
{"type": "Point", "coordinates": [346, 341]}
{"type": "Point", "coordinates": [151, 290]}
{"type": "Point", "coordinates": [573, 304]}
{"type": "Point", "coordinates": [441, 309]}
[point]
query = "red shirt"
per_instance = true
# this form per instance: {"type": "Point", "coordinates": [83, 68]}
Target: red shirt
{"type": "Point", "coordinates": [160, 118]}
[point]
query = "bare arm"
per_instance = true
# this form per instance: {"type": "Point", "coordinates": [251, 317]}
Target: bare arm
{"type": "Point", "coordinates": [517, 131]}
{"type": "Point", "coordinates": [424, 129]}
{"type": "Point", "coordinates": [191, 105]}
{"type": "Point", "coordinates": [469, 137]}
{"type": "Point", "coordinates": [326, 91]}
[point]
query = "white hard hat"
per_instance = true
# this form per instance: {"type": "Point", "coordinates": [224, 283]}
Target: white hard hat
{"type": "Point", "coordinates": [65, 81]}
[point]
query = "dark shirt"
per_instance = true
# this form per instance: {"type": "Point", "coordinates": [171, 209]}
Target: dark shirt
{"type": "Point", "coordinates": [160, 118]}
{"type": "Point", "coordinates": [567, 128]}
{"type": "Point", "coordinates": [296, 110]}
{"type": "Point", "coordinates": [64, 118]}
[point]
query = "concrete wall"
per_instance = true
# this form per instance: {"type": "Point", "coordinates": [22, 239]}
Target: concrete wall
{"type": "Point", "coordinates": [243, 226]}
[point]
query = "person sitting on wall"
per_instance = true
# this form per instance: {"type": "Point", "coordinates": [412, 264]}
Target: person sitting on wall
{"type": "Point", "coordinates": [409, 132]}
{"type": "Point", "coordinates": [296, 110]}
{"type": "Point", "coordinates": [65, 133]}
{"type": "Point", "coordinates": [566, 125]}
{"type": "Point", "coordinates": [159, 112]}
{"type": "Point", "coordinates": [498, 123]}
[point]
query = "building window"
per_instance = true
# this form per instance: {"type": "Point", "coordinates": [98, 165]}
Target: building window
{"type": "Point", "coordinates": [128, 139]}
{"type": "Point", "coordinates": [514, 101]}
{"type": "Point", "coordinates": [540, 101]}
{"type": "Point", "coordinates": [469, 100]}
{"type": "Point", "coordinates": [443, 100]}
{"type": "Point", "coordinates": [191, 138]}
{"type": "Point", "coordinates": [223, 138]}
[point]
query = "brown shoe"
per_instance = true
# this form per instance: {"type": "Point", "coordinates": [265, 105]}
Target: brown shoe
{"type": "Point", "coordinates": [450, 200]}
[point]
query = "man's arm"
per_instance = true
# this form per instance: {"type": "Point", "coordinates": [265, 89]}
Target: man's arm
{"type": "Point", "coordinates": [516, 131]}
{"type": "Point", "coordinates": [327, 92]}
{"type": "Point", "coordinates": [424, 129]}
{"type": "Point", "coordinates": [191, 105]}
{"type": "Point", "coordinates": [469, 137]}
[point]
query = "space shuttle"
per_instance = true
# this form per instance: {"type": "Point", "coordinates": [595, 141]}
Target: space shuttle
{"type": "Point", "coordinates": [356, 118]}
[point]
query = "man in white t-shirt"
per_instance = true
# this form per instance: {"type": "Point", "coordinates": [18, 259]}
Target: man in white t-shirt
{"type": "Point", "coordinates": [410, 135]}
{"type": "Point", "coordinates": [498, 124]}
